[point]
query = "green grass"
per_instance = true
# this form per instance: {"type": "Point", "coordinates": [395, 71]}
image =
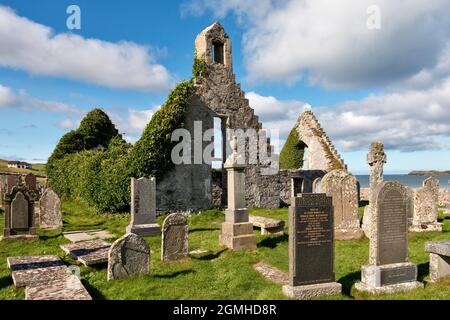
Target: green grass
{"type": "Point", "coordinates": [216, 274]}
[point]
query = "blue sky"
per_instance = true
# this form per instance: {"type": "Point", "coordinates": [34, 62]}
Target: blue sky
{"type": "Point", "coordinates": [390, 83]}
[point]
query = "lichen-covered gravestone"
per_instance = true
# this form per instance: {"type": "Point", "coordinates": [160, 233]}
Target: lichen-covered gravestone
{"type": "Point", "coordinates": [389, 269]}
{"type": "Point", "coordinates": [31, 182]}
{"type": "Point", "coordinates": [50, 216]}
{"type": "Point", "coordinates": [143, 208]}
{"type": "Point", "coordinates": [342, 186]}
{"type": "Point", "coordinates": [426, 200]}
{"type": "Point", "coordinates": [128, 256]}
{"type": "Point", "coordinates": [175, 238]}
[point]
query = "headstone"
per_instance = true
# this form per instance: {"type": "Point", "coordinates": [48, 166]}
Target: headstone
{"type": "Point", "coordinates": [388, 270]}
{"type": "Point", "coordinates": [439, 259]}
{"type": "Point", "coordinates": [342, 187]}
{"type": "Point", "coordinates": [143, 208]}
{"type": "Point", "coordinates": [19, 215]}
{"type": "Point", "coordinates": [31, 182]}
{"type": "Point", "coordinates": [50, 216]}
{"type": "Point", "coordinates": [174, 238]}
{"type": "Point", "coordinates": [11, 182]}
{"type": "Point", "coordinates": [376, 159]}
{"type": "Point", "coordinates": [128, 256]}
{"type": "Point", "coordinates": [426, 206]}
{"type": "Point", "coordinates": [311, 247]}
{"type": "Point", "coordinates": [3, 188]}
{"type": "Point", "coordinates": [237, 231]}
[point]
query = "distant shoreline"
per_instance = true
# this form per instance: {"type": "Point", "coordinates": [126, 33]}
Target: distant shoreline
{"type": "Point", "coordinates": [429, 173]}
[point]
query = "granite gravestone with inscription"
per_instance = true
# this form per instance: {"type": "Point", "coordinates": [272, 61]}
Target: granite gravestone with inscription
{"type": "Point", "coordinates": [174, 238]}
{"type": "Point", "coordinates": [388, 269]}
{"type": "Point", "coordinates": [311, 247]}
{"type": "Point", "coordinates": [426, 204]}
{"type": "Point", "coordinates": [143, 208]}
{"type": "Point", "coordinates": [19, 214]}
{"type": "Point", "coordinates": [342, 186]}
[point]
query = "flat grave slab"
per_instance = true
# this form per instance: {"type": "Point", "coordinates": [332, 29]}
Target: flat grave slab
{"type": "Point", "coordinates": [271, 273]}
{"type": "Point", "coordinates": [70, 288]}
{"type": "Point", "coordinates": [88, 252]}
{"type": "Point", "coordinates": [32, 270]}
{"type": "Point", "coordinates": [87, 235]}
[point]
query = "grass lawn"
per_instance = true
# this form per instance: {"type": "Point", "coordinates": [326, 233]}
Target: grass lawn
{"type": "Point", "coordinates": [217, 274]}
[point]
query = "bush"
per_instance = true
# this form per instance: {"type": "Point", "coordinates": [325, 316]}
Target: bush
{"type": "Point", "coordinates": [291, 156]}
{"type": "Point", "coordinates": [151, 155]}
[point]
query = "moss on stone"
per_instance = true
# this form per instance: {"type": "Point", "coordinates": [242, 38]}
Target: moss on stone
{"type": "Point", "coordinates": [291, 156]}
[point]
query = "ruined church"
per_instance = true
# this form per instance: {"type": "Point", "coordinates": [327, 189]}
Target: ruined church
{"type": "Point", "coordinates": [194, 187]}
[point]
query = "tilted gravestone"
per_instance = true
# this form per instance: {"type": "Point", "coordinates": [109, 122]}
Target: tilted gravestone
{"type": "Point", "coordinates": [311, 247]}
{"type": "Point", "coordinates": [174, 238]}
{"type": "Point", "coordinates": [19, 214]}
{"type": "Point", "coordinates": [426, 201]}
{"type": "Point", "coordinates": [31, 182]}
{"type": "Point", "coordinates": [342, 186]}
{"type": "Point", "coordinates": [128, 256]}
{"type": "Point", "coordinates": [50, 216]}
{"type": "Point", "coordinates": [143, 208]}
{"type": "Point", "coordinates": [388, 269]}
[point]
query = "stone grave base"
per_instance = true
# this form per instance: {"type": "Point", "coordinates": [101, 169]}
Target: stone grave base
{"type": "Point", "coordinates": [20, 237]}
{"type": "Point", "coordinates": [87, 235]}
{"type": "Point", "coordinates": [426, 227]}
{"type": "Point", "coordinates": [238, 236]}
{"type": "Point", "coordinates": [348, 234]}
{"type": "Point", "coordinates": [70, 288]}
{"type": "Point", "coordinates": [388, 278]}
{"type": "Point", "coordinates": [88, 252]}
{"type": "Point", "coordinates": [312, 290]}
{"type": "Point", "coordinates": [145, 230]}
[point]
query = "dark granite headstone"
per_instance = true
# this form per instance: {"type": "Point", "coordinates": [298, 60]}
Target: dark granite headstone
{"type": "Point", "coordinates": [311, 240]}
{"type": "Point", "coordinates": [392, 226]}
{"type": "Point", "coordinates": [31, 182]}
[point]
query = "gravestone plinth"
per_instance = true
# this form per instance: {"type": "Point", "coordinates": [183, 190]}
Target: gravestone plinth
{"type": "Point", "coordinates": [342, 187]}
{"type": "Point", "coordinates": [143, 208]}
{"type": "Point", "coordinates": [389, 270]}
{"type": "Point", "coordinates": [19, 215]}
{"type": "Point", "coordinates": [237, 231]}
{"type": "Point", "coordinates": [426, 206]}
{"type": "Point", "coordinates": [311, 247]}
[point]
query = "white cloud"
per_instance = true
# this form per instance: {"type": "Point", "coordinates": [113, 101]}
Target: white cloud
{"type": "Point", "coordinates": [408, 120]}
{"type": "Point", "coordinates": [67, 124]}
{"type": "Point", "coordinates": [328, 42]}
{"type": "Point", "coordinates": [7, 97]}
{"type": "Point", "coordinates": [33, 47]}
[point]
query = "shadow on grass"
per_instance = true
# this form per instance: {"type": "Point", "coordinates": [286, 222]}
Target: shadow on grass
{"type": "Point", "coordinates": [82, 227]}
{"type": "Point", "coordinates": [423, 270]}
{"type": "Point", "coordinates": [348, 281]}
{"type": "Point", "coordinates": [203, 229]}
{"type": "Point", "coordinates": [272, 242]}
{"type": "Point", "coordinates": [99, 266]}
{"type": "Point", "coordinates": [174, 274]}
{"type": "Point", "coordinates": [5, 282]}
{"type": "Point", "coordinates": [211, 256]}
{"type": "Point", "coordinates": [94, 292]}
{"type": "Point", "coordinates": [44, 237]}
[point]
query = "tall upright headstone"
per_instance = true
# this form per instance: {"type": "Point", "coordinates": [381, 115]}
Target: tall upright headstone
{"type": "Point", "coordinates": [143, 208]}
{"type": "Point", "coordinates": [3, 187]}
{"type": "Point", "coordinates": [311, 247]}
{"type": "Point", "coordinates": [376, 159]}
{"type": "Point", "coordinates": [128, 256]}
{"type": "Point", "coordinates": [426, 206]}
{"type": "Point", "coordinates": [31, 182]}
{"type": "Point", "coordinates": [50, 216]}
{"type": "Point", "coordinates": [11, 182]}
{"type": "Point", "coordinates": [175, 242]}
{"type": "Point", "coordinates": [19, 214]}
{"type": "Point", "coordinates": [342, 187]}
{"type": "Point", "coordinates": [389, 269]}
{"type": "Point", "coordinates": [237, 231]}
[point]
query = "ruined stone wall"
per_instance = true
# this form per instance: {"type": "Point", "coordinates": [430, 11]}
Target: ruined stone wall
{"type": "Point", "coordinates": [188, 187]}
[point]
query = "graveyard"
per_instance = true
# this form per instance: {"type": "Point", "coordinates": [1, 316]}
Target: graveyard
{"type": "Point", "coordinates": [106, 219]}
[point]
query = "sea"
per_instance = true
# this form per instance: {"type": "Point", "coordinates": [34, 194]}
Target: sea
{"type": "Point", "coordinates": [405, 179]}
